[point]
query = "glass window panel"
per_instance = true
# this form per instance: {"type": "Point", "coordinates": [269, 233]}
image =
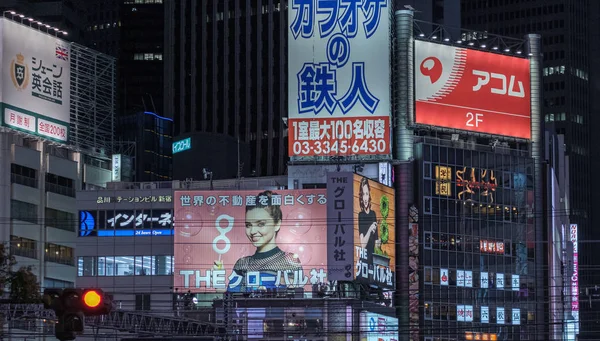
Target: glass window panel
{"type": "Point", "coordinates": [101, 266]}
{"type": "Point", "coordinates": [110, 266]}
{"type": "Point", "coordinates": [124, 266]}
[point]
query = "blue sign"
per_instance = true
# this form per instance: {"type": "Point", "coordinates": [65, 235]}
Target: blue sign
{"type": "Point", "coordinates": [125, 223]}
{"type": "Point", "coordinates": [182, 145]}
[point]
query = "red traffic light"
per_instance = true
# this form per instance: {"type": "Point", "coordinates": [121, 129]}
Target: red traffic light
{"type": "Point", "coordinates": [92, 298]}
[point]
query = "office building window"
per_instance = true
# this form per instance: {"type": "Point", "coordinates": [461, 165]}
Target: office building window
{"type": "Point", "coordinates": [24, 211]}
{"type": "Point", "coordinates": [147, 56]}
{"type": "Point", "coordinates": [60, 185]}
{"type": "Point", "coordinates": [59, 254]}
{"type": "Point", "coordinates": [125, 266]}
{"type": "Point", "coordinates": [60, 219]}
{"type": "Point", "coordinates": [142, 302]}
{"type": "Point", "coordinates": [23, 175]}
{"type": "Point", "coordinates": [23, 247]}
{"type": "Point", "coordinates": [56, 283]}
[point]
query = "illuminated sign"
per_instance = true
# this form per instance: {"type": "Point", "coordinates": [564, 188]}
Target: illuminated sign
{"type": "Point", "coordinates": [500, 315]}
{"type": "Point", "coordinates": [443, 178]}
{"type": "Point", "coordinates": [484, 280]}
{"type": "Point", "coordinates": [116, 167]}
{"type": "Point", "coordinates": [377, 327]}
{"type": "Point", "coordinates": [500, 281]}
{"type": "Point", "coordinates": [339, 90]}
{"type": "Point", "coordinates": [182, 145]}
{"type": "Point", "coordinates": [481, 336]}
{"type": "Point", "coordinates": [516, 316]}
{"type": "Point", "coordinates": [516, 283]}
{"type": "Point", "coordinates": [134, 199]}
{"type": "Point", "coordinates": [472, 183]}
{"type": "Point", "coordinates": [472, 90]}
{"type": "Point", "coordinates": [444, 277]}
{"type": "Point", "coordinates": [125, 223]}
{"type": "Point", "coordinates": [489, 246]}
{"type": "Point", "coordinates": [575, 276]}
{"type": "Point", "coordinates": [485, 314]}
{"type": "Point", "coordinates": [245, 241]}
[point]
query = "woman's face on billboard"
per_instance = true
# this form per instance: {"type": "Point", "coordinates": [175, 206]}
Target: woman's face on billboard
{"type": "Point", "coordinates": [261, 229]}
{"type": "Point", "coordinates": [366, 196]}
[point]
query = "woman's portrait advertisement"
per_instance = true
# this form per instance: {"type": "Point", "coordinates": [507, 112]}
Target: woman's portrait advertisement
{"type": "Point", "coordinates": [243, 241]}
{"type": "Point", "coordinates": [374, 232]}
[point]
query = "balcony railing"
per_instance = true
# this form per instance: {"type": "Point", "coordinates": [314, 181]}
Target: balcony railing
{"type": "Point", "coordinates": [62, 190]}
{"type": "Point", "coordinates": [60, 260]}
{"type": "Point", "coordinates": [23, 180]}
{"type": "Point", "coordinates": [23, 252]}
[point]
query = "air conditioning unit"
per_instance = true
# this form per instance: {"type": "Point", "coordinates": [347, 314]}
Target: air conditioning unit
{"type": "Point", "coordinates": [148, 185]}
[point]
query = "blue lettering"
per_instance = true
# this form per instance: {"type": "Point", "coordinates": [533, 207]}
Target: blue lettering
{"type": "Point", "coordinates": [317, 87]}
{"type": "Point", "coordinates": [304, 20]}
{"type": "Point", "coordinates": [372, 11]}
{"type": "Point", "coordinates": [331, 8]}
{"type": "Point", "coordinates": [358, 91]}
{"type": "Point", "coordinates": [338, 50]}
{"type": "Point", "coordinates": [349, 19]}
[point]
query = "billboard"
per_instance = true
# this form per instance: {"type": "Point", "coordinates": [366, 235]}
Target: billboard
{"type": "Point", "coordinates": [575, 277]}
{"type": "Point", "coordinates": [241, 241]}
{"type": "Point", "coordinates": [472, 90]}
{"type": "Point", "coordinates": [339, 90]}
{"type": "Point", "coordinates": [377, 327]}
{"type": "Point", "coordinates": [35, 88]}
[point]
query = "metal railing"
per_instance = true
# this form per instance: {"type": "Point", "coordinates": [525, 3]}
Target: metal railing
{"type": "Point", "coordinates": [23, 180]}
{"type": "Point", "coordinates": [62, 190]}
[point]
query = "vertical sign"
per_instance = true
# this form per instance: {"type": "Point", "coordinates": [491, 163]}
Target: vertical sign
{"type": "Point", "coordinates": [500, 281]}
{"type": "Point", "coordinates": [443, 180]}
{"type": "Point", "coordinates": [460, 313]}
{"type": "Point", "coordinates": [469, 279]}
{"type": "Point", "coordinates": [468, 313]}
{"type": "Point", "coordinates": [413, 272]}
{"type": "Point", "coordinates": [444, 277]}
{"type": "Point", "coordinates": [500, 315]}
{"type": "Point", "coordinates": [575, 276]}
{"type": "Point", "coordinates": [116, 167]}
{"type": "Point", "coordinates": [484, 280]}
{"type": "Point", "coordinates": [339, 90]}
{"type": "Point", "coordinates": [516, 285]}
{"type": "Point", "coordinates": [460, 278]}
{"type": "Point", "coordinates": [485, 314]}
{"type": "Point", "coordinates": [340, 226]}
{"type": "Point", "coordinates": [34, 81]}
{"type": "Point", "coordinates": [516, 316]}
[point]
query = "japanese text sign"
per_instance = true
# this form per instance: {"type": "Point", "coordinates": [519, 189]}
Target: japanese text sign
{"type": "Point", "coordinates": [340, 227]}
{"type": "Point", "coordinates": [339, 72]}
{"type": "Point", "coordinates": [242, 241]}
{"type": "Point", "coordinates": [472, 90]}
{"type": "Point", "coordinates": [374, 233]}
{"type": "Point", "coordinates": [35, 88]}
{"type": "Point", "coordinates": [377, 327]}
{"type": "Point", "coordinates": [575, 276]}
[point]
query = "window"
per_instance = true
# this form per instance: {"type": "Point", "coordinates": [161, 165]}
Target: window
{"type": "Point", "coordinates": [56, 283]}
{"type": "Point", "coordinates": [125, 266]}
{"type": "Point", "coordinates": [142, 302]}
{"type": "Point", "coordinates": [23, 175]}
{"type": "Point", "coordinates": [60, 185]}
{"type": "Point", "coordinates": [24, 211]}
{"type": "Point", "coordinates": [59, 254]}
{"type": "Point", "coordinates": [60, 219]}
{"type": "Point", "coordinates": [23, 247]}
{"type": "Point", "coordinates": [148, 56]}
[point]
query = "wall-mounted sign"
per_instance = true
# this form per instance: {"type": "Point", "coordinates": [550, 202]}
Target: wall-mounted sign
{"type": "Point", "coordinates": [490, 246]}
{"type": "Point", "coordinates": [134, 199]}
{"type": "Point", "coordinates": [182, 145]}
{"type": "Point", "coordinates": [116, 167]}
{"type": "Point", "coordinates": [500, 315]}
{"type": "Point", "coordinates": [500, 281]}
{"type": "Point", "coordinates": [473, 185]}
{"type": "Point", "coordinates": [575, 276]}
{"type": "Point", "coordinates": [484, 280]}
{"type": "Point", "coordinates": [485, 314]}
{"type": "Point", "coordinates": [443, 178]}
{"type": "Point", "coordinates": [444, 277]}
{"type": "Point", "coordinates": [125, 223]}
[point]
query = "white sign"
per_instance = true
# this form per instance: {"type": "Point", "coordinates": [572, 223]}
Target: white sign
{"type": "Point", "coordinates": [468, 313]}
{"type": "Point", "coordinates": [336, 78]}
{"type": "Point", "coordinates": [516, 316]}
{"type": "Point", "coordinates": [469, 279]}
{"type": "Point", "coordinates": [35, 83]}
{"type": "Point", "coordinates": [500, 315]}
{"type": "Point", "coordinates": [484, 280]}
{"type": "Point", "coordinates": [500, 281]}
{"type": "Point", "coordinates": [116, 167]}
{"type": "Point", "coordinates": [516, 283]}
{"type": "Point", "coordinates": [443, 276]}
{"type": "Point", "coordinates": [377, 327]}
{"type": "Point", "coordinates": [460, 313]}
{"type": "Point", "coordinates": [460, 278]}
{"type": "Point", "coordinates": [485, 314]}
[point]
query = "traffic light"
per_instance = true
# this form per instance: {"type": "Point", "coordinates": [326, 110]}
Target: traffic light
{"type": "Point", "coordinates": [72, 305]}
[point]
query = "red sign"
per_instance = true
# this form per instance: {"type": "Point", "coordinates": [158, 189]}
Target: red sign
{"type": "Point", "coordinates": [339, 136]}
{"type": "Point", "coordinates": [472, 90]}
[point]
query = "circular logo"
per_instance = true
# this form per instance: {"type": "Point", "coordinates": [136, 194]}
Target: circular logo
{"type": "Point", "coordinates": [432, 67]}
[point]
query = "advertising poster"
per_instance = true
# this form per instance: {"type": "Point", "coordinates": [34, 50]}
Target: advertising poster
{"type": "Point", "coordinates": [413, 272]}
{"type": "Point", "coordinates": [35, 86]}
{"type": "Point", "coordinates": [472, 90]}
{"type": "Point", "coordinates": [339, 89]}
{"type": "Point", "coordinates": [377, 327]}
{"type": "Point", "coordinates": [374, 233]}
{"type": "Point", "coordinates": [243, 241]}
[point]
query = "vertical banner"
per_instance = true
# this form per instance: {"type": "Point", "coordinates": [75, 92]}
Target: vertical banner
{"type": "Point", "coordinates": [413, 272]}
{"type": "Point", "coordinates": [339, 89]}
{"type": "Point", "coordinates": [340, 224]}
{"type": "Point", "coordinates": [575, 276]}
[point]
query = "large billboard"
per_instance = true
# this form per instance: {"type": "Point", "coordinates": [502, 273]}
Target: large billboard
{"type": "Point", "coordinates": [35, 88]}
{"type": "Point", "coordinates": [339, 71]}
{"type": "Point", "coordinates": [472, 90]}
{"type": "Point", "coordinates": [242, 241]}
{"type": "Point", "coordinates": [377, 327]}
{"type": "Point", "coordinates": [361, 232]}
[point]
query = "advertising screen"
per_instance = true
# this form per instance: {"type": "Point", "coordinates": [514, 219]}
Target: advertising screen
{"type": "Point", "coordinates": [377, 327]}
{"type": "Point", "coordinates": [339, 89]}
{"type": "Point", "coordinates": [35, 88]}
{"type": "Point", "coordinates": [242, 241]}
{"type": "Point", "coordinates": [472, 90]}
{"type": "Point", "coordinates": [123, 223]}
{"type": "Point", "coordinates": [374, 233]}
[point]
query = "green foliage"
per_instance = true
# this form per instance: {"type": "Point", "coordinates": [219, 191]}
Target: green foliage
{"type": "Point", "coordinates": [23, 284]}
{"type": "Point", "coordinates": [384, 207]}
{"type": "Point", "coordinates": [385, 232]}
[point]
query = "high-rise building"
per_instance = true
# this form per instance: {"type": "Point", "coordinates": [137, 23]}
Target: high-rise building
{"type": "Point", "coordinates": [566, 29]}
{"type": "Point", "coordinates": [225, 73]}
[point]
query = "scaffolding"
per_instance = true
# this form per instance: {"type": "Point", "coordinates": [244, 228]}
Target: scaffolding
{"type": "Point", "coordinates": [93, 101]}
